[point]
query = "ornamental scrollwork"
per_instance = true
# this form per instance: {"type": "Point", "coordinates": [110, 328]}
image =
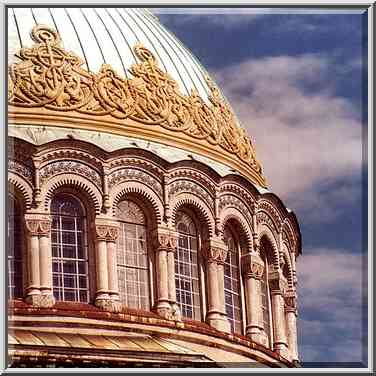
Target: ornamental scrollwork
{"type": "Point", "coordinates": [125, 174]}
{"type": "Point", "coordinates": [70, 167]}
{"type": "Point", "coordinates": [49, 76]}
{"type": "Point", "coordinates": [21, 169]}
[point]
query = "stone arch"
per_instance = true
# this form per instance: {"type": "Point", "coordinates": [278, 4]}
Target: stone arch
{"type": "Point", "coordinates": [265, 231]}
{"type": "Point", "coordinates": [229, 214]}
{"type": "Point", "coordinates": [200, 206]}
{"type": "Point", "coordinates": [143, 192]}
{"type": "Point", "coordinates": [286, 255]}
{"type": "Point", "coordinates": [76, 182]}
{"type": "Point", "coordinates": [23, 188]}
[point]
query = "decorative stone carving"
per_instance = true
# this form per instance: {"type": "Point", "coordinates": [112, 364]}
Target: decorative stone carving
{"type": "Point", "coordinates": [263, 217]}
{"type": "Point", "coordinates": [125, 174]}
{"type": "Point", "coordinates": [229, 200]}
{"type": "Point", "coordinates": [106, 232]}
{"type": "Point", "coordinates": [215, 251]}
{"type": "Point", "coordinates": [38, 225]}
{"type": "Point", "coordinates": [108, 305]}
{"type": "Point", "coordinates": [50, 77]}
{"type": "Point", "coordinates": [252, 266]}
{"type": "Point", "coordinates": [291, 301]}
{"type": "Point", "coordinates": [266, 207]}
{"type": "Point", "coordinates": [190, 187]}
{"type": "Point", "coordinates": [21, 169]}
{"type": "Point", "coordinates": [59, 167]}
{"type": "Point", "coordinates": [165, 239]}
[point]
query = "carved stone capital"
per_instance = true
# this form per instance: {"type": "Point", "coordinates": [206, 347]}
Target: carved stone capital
{"type": "Point", "coordinates": [291, 301]}
{"type": "Point", "coordinates": [215, 251]}
{"type": "Point", "coordinates": [108, 305]}
{"type": "Point", "coordinates": [38, 224]}
{"type": "Point", "coordinates": [252, 266]}
{"type": "Point", "coordinates": [277, 283]}
{"type": "Point", "coordinates": [165, 239]}
{"type": "Point", "coordinates": [106, 230]}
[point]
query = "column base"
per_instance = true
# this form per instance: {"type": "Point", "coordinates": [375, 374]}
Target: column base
{"type": "Point", "coordinates": [108, 305]}
{"type": "Point", "coordinates": [282, 350]}
{"type": "Point", "coordinates": [256, 334]}
{"type": "Point", "coordinates": [218, 321]}
{"type": "Point", "coordinates": [41, 300]}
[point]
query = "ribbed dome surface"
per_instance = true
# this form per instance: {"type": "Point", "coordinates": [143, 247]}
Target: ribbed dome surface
{"type": "Point", "coordinates": [107, 36]}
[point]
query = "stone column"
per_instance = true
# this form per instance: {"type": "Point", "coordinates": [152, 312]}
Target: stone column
{"type": "Point", "coordinates": [105, 297]}
{"type": "Point", "coordinates": [291, 316]}
{"type": "Point", "coordinates": [164, 240]}
{"type": "Point", "coordinates": [215, 252]}
{"type": "Point", "coordinates": [39, 285]}
{"type": "Point", "coordinates": [253, 269]}
{"type": "Point", "coordinates": [113, 282]}
{"type": "Point", "coordinates": [278, 314]}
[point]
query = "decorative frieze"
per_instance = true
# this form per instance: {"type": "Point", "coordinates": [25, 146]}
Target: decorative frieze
{"type": "Point", "coordinates": [106, 232]}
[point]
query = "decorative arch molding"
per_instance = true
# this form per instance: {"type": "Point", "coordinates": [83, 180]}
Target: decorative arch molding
{"type": "Point", "coordinates": [268, 208]}
{"type": "Point", "coordinates": [288, 236]}
{"type": "Point", "coordinates": [24, 189]}
{"type": "Point", "coordinates": [189, 199]}
{"type": "Point", "coordinates": [137, 176]}
{"type": "Point", "coordinates": [231, 200]}
{"type": "Point", "coordinates": [188, 186]}
{"type": "Point", "coordinates": [286, 255]}
{"type": "Point", "coordinates": [265, 231]}
{"type": "Point", "coordinates": [76, 182]}
{"type": "Point", "coordinates": [230, 213]}
{"type": "Point", "coordinates": [56, 167]}
{"type": "Point", "coordinates": [240, 190]}
{"type": "Point", "coordinates": [140, 190]}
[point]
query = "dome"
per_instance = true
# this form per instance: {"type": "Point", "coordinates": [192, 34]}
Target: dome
{"type": "Point", "coordinates": [109, 66]}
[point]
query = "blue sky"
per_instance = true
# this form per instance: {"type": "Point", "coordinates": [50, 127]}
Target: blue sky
{"type": "Point", "coordinates": [295, 81]}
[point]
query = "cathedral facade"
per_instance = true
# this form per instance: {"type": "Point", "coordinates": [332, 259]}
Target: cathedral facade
{"type": "Point", "coordinates": [141, 232]}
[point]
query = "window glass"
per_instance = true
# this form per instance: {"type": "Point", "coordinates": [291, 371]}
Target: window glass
{"type": "Point", "coordinates": [231, 279]}
{"type": "Point", "coordinates": [15, 237]}
{"type": "Point", "coordinates": [186, 268]}
{"type": "Point", "coordinates": [69, 249]}
{"type": "Point", "coordinates": [132, 258]}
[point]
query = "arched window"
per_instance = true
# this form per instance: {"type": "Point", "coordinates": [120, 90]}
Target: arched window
{"type": "Point", "coordinates": [232, 285]}
{"type": "Point", "coordinates": [15, 281]}
{"type": "Point", "coordinates": [69, 249]}
{"type": "Point", "coordinates": [265, 293]}
{"type": "Point", "coordinates": [132, 256]}
{"type": "Point", "coordinates": [186, 268]}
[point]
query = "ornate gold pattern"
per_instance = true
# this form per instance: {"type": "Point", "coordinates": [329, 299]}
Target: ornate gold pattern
{"type": "Point", "coordinates": [50, 77]}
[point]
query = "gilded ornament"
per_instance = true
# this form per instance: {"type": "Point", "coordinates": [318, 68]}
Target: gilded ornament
{"type": "Point", "coordinates": [48, 76]}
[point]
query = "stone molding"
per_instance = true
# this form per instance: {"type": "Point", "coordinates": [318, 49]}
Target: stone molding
{"type": "Point", "coordinates": [291, 301]}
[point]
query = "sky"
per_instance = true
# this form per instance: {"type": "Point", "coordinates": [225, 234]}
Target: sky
{"type": "Point", "coordinates": [296, 82]}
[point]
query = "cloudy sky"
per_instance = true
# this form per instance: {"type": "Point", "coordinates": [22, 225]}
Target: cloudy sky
{"type": "Point", "coordinates": [295, 81]}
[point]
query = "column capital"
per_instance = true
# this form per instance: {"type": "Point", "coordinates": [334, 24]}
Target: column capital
{"type": "Point", "coordinates": [106, 229]}
{"type": "Point", "coordinates": [165, 238]}
{"type": "Point", "coordinates": [277, 283]}
{"type": "Point", "coordinates": [215, 251]}
{"type": "Point", "coordinates": [291, 301]}
{"type": "Point", "coordinates": [38, 224]}
{"type": "Point", "coordinates": [252, 265]}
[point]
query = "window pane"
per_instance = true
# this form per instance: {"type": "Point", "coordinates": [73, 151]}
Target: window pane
{"type": "Point", "coordinates": [132, 258]}
{"type": "Point", "coordinates": [15, 280]}
{"type": "Point", "coordinates": [186, 274]}
{"type": "Point", "coordinates": [231, 279]}
{"type": "Point", "coordinates": [69, 249]}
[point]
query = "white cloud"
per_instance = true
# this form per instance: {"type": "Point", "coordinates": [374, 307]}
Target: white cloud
{"type": "Point", "coordinates": [305, 138]}
{"type": "Point", "coordinates": [330, 291]}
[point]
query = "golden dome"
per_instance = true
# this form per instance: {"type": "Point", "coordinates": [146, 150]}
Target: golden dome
{"type": "Point", "coordinates": [51, 87]}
